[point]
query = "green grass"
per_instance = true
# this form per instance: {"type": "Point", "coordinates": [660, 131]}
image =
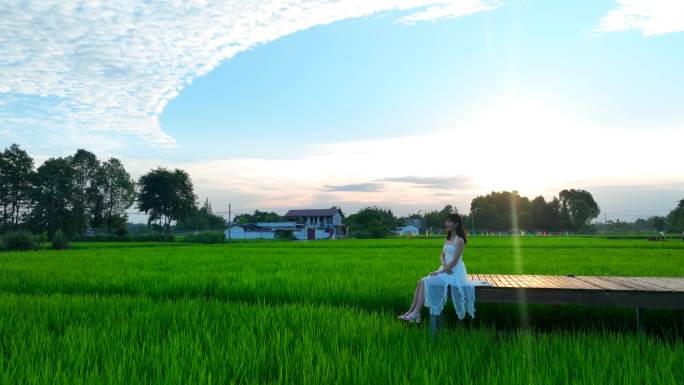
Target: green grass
{"type": "Point", "coordinates": [319, 312]}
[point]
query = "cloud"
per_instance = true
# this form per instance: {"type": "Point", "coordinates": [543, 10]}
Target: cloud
{"type": "Point", "coordinates": [434, 182]}
{"type": "Point", "coordinates": [651, 17]}
{"type": "Point", "coordinates": [360, 187]}
{"type": "Point", "coordinates": [450, 10]}
{"type": "Point", "coordinates": [112, 67]}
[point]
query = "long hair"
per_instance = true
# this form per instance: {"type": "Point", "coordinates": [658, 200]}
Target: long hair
{"type": "Point", "coordinates": [454, 217]}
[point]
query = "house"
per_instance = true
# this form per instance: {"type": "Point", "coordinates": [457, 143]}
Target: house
{"type": "Point", "coordinates": [261, 230]}
{"type": "Point", "coordinates": [415, 222]}
{"type": "Point", "coordinates": [409, 230]}
{"type": "Point", "coordinates": [319, 223]}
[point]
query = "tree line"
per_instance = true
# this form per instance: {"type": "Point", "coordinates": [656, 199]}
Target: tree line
{"type": "Point", "coordinates": [572, 210]}
{"type": "Point", "coordinates": [79, 192]}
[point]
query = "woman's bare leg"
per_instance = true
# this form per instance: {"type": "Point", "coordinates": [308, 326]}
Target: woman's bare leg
{"type": "Point", "coordinates": [420, 299]}
{"type": "Point", "coordinates": [415, 298]}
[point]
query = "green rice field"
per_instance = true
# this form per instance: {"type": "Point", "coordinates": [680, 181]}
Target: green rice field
{"type": "Point", "coordinates": [321, 312]}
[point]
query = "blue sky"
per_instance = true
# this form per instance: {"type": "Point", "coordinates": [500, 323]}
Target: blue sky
{"type": "Point", "coordinates": [400, 104]}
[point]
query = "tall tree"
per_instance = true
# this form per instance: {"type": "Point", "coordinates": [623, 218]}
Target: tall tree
{"type": "Point", "coordinates": [675, 219]}
{"type": "Point", "coordinates": [56, 195]}
{"type": "Point", "coordinates": [202, 219]}
{"type": "Point", "coordinates": [86, 170]}
{"type": "Point", "coordinates": [16, 169]}
{"type": "Point", "coordinates": [544, 215]}
{"type": "Point", "coordinates": [166, 196]}
{"type": "Point", "coordinates": [500, 210]}
{"type": "Point", "coordinates": [117, 191]}
{"type": "Point", "coordinates": [658, 223]}
{"type": "Point", "coordinates": [580, 205]}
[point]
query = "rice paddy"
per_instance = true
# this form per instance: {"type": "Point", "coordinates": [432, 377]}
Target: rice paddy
{"type": "Point", "coordinates": [320, 312]}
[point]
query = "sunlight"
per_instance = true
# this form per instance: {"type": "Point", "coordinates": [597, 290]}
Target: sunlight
{"type": "Point", "coordinates": [517, 260]}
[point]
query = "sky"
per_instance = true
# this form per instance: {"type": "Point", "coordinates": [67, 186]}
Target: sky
{"type": "Point", "coordinates": [407, 105]}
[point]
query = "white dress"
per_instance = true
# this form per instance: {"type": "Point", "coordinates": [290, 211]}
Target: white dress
{"type": "Point", "coordinates": [462, 289]}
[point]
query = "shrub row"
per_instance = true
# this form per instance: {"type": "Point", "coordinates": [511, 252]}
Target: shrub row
{"type": "Point", "coordinates": [205, 237]}
{"type": "Point", "coordinates": [128, 238]}
{"type": "Point", "coordinates": [19, 240]}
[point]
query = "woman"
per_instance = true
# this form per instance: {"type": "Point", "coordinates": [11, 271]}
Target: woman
{"type": "Point", "coordinates": [431, 290]}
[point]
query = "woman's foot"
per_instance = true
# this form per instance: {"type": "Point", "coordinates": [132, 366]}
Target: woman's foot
{"type": "Point", "coordinates": [413, 317]}
{"type": "Point", "coordinates": [403, 316]}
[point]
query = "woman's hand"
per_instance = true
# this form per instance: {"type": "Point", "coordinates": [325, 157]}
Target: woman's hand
{"type": "Point", "coordinates": [435, 273]}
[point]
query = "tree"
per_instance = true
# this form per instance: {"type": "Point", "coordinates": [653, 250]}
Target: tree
{"type": "Point", "coordinates": [202, 219]}
{"type": "Point", "coordinates": [371, 222]}
{"type": "Point", "coordinates": [675, 219]}
{"type": "Point", "coordinates": [258, 216]}
{"type": "Point", "coordinates": [87, 202]}
{"type": "Point", "coordinates": [579, 206]}
{"type": "Point", "coordinates": [498, 210]}
{"type": "Point", "coordinates": [544, 216]}
{"type": "Point", "coordinates": [16, 173]}
{"type": "Point", "coordinates": [166, 196]}
{"type": "Point", "coordinates": [657, 223]}
{"type": "Point", "coordinates": [55, 196]}
{"type": "Point", "coordinates": [434, 220]}
{"type": "Point", "coordinates": [117, 192]}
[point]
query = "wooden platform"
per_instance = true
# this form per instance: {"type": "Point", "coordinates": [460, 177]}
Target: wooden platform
{"type": "Point", "coordinates": [642, 292]}
{"type": "Point", "coordinates": [636, 292]}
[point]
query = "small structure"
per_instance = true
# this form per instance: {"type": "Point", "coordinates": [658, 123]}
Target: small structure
{"type": "Point", "coordinates": [319, 223]}
{"type": "Point", "coordinates": [415, 222]}
{"type": "Point", "coordinates": [409, 230]}
{"type": "Point", "coordinates": [262, 230]}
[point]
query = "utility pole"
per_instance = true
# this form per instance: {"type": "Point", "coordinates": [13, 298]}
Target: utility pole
{"type": "Point", "coordinates": [229, 221]}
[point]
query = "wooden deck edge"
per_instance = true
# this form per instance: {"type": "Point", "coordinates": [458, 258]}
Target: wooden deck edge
{"type": "Point", "coordinates": [560, 296]}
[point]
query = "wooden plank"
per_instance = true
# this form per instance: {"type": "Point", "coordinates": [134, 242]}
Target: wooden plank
{"type": "Point", "coordinates": [602, 283]}
{"type": "Point", "coordinates": [497, 280]}
{"type": "Point", "coordinates": [643, 282]}
{"type": "Point", "coordinates": [540, 282]}
{"type": "Point", "coordinates": [632, 284]}
{"type": "Point", "coordinates": [510, 281]}
{"type": "Point", "coordinates": [666, 284]}
{"type": "Point", "coordinates": [488, 278]}
{"type": "Point", "coordinates": [559, 282]}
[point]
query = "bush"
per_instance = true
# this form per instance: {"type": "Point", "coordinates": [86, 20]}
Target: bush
{"type": "Point", "coordinates": [205, 237]}
{"type": "Point", "coordinates": [60, 241]}
{"type": "Point", "coordinates": [20, 240]}
{"type": "Point", "coordinates": [2, 245]}
{"type": "Point", "coordinates": [121, 232]}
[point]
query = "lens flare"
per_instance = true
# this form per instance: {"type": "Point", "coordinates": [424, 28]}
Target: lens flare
{"type": "Point", "coordinates": [517, 260]}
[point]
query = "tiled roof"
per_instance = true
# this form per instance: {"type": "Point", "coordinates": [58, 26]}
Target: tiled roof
{"type": "Point", "coordinates": [313, 213]}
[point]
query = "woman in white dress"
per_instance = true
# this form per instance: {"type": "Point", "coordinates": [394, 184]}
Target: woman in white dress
{"type": "Point", "coordinates": [431, 290]}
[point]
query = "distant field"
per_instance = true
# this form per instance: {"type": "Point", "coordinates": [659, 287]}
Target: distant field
{"type": "Point", "coordinates": [320, 312]}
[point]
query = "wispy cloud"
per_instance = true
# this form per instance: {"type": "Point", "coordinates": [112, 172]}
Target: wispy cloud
{"type": "Point", "coordinates": [434, 182]}
{"type": "Point", "coordinates": [450, 10]}
{"type": "Point", "coordinates": [358, 187]}
{"type": "Point", "coordinates": [651, 17]}
{"type": "Point", "coordinates": [112, 67]}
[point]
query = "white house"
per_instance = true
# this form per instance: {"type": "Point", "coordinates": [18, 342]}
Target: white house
{"type": "Point", "coordinates": [409, 230]}
{"type": "Point", "coordinates": [319, 223]}
{"type": "Point", "coordinates": [302, 224]}
{"type": "Point", "coordinates": [249, 231]}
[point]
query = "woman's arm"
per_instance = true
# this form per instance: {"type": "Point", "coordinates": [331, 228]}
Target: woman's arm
{"type": "Point", "coordinates": [460, 245]}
